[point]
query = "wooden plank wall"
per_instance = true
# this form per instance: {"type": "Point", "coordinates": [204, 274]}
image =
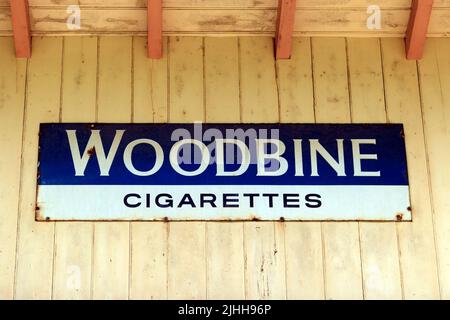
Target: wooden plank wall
{"type": "Point", "coordinates": [225, 80]}
{"type": "Point", "coordinates": [225, 17]}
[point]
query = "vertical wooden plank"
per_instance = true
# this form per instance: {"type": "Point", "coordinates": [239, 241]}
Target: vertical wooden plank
{"type": "Point", "coordinates": [379, 251]}
{"type": "Point", "coordinates": [222, 80]}
{"type": "Point", "coordinates": [342, 260]}
{"type": "Point", "coordinates": [264, 260]}
{"type": "Point", "coordinates": [35, 239]}
{"type": "Point", "coordinates": [150, 84]}
{"type": "Point", "coordinates": [12, 99]}
{"type": "Point", "coordinates": [259, 99]}
{"type": "Point", "coordinates": [304, 264]}
{"type": "Point", "coordinates": [187, 256]}
{"type": "Point", "coordinates": [224, 251]}
{"type": "Point", "coordinates": [366, 80]}
{"type": "Point", "coordinates": [416, 240]}
{"type": "Point", "coordinates": [21, 28]}
{"type": "Point", "coordinates": [154, 25]}
{"type": "Point", "coordinates": [295, 85]}
{"type": "Point", "coordinates": [264, 241]}
{"type": "Point", "coordinates": [416, 32]}
{"type": "Point", "coordinates": [79, 84]}
{"type": "Point", "coordinates": [149, 261]}
{"type": "Point", "coordinates": [73, 241]}
{"type": "Point", "coordinates": [330, 80]}
{"type": "Point", "coordinates": [149, 240]}
{"type": "Point", "coordinates": [285, 28]}
{"type": "Point", "coordinates": [434, 76]}
{"type": "Point", "coordinates": [111, 239]}
{"type": "Point", "coordinates": [186, 79]}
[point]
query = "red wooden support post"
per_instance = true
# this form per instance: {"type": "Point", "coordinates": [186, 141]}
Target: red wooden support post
{"type": "Point", "coordinates": [154, 21]}
{"type": "Point", "coordinates": [417, 28]}
{"type": "Point", "coordinates": [21, 28]}
{"type": "Point", "coordinates": [285, 28]}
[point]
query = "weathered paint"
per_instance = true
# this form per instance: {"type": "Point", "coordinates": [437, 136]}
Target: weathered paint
{"type": "Point", "coordinates": [222, 172]}
{"type": "Point", "coordinates": [300, 259]}
{"type": "Point", "coordinates": [181, 17]}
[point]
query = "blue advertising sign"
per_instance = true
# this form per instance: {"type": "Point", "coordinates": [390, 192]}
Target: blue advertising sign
{"type": "Point", "coordinates": [222, 172]}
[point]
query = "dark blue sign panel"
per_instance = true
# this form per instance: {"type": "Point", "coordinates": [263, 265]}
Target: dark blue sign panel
{"type": "Point", "coordinates": [222, 172]}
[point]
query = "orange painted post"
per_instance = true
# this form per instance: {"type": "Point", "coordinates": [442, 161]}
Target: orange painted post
{"type": "Point", "coordinates": [416, 33]}
{"type": "Point", "coordinates": [285, 28]}
{"type": "Point", "coordinates": [21, 28]}
{"type": "Point", "coordinates": [154, 21]}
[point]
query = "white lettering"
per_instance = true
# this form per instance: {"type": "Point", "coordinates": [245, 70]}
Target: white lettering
{"type": "Point", "coordinates": [263, 156]}
{"type": "Point", "coordinates": [338, 166]}
{"type": "Point", "coordinates": [173, 157]}
{"type": "Point", "coordinates": [129, 164]}
{"type": "Point", "coordinates": [357, 157]}
{"type": "Point", "coordinates": [94, 144]}
{"type": "Point", "coordinates": [220, 157]}
{"type": "Point", "coordinates": [298, 152]}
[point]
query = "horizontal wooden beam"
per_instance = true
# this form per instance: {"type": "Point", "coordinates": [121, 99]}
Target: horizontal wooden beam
{"type": "Point", "coordinates": [21, 28]}
{"type": "Point", "coordinates": [416, 33]}
{"type": "Point", "coordinates": [285, 28]}
{"type": "Point", "coordinates": [339, 22]}
{"type": "Point", "coordinates": [154, 22]}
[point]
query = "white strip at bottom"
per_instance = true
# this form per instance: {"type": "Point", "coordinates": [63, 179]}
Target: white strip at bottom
{"type": "Point", "coordinates": [106, 202]}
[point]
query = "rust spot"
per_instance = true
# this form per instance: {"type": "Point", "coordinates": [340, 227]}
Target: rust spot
{"type": "Point", "coordinates": [399, 217]}
{"type": "Point", "coordinates": [281, 218]}
{"type": "Point", "coordinates": [409, 208]}
{"type": "Point", "coordinates": [39, 217]}
{"type": "Point", "coordinates": [166, 219]}
{"type": "Point", "coordinates": [91, 151]}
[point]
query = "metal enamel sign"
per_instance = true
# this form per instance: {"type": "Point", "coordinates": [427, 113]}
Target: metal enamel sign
{"type": "Point", "coordinates": [222, 172]}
